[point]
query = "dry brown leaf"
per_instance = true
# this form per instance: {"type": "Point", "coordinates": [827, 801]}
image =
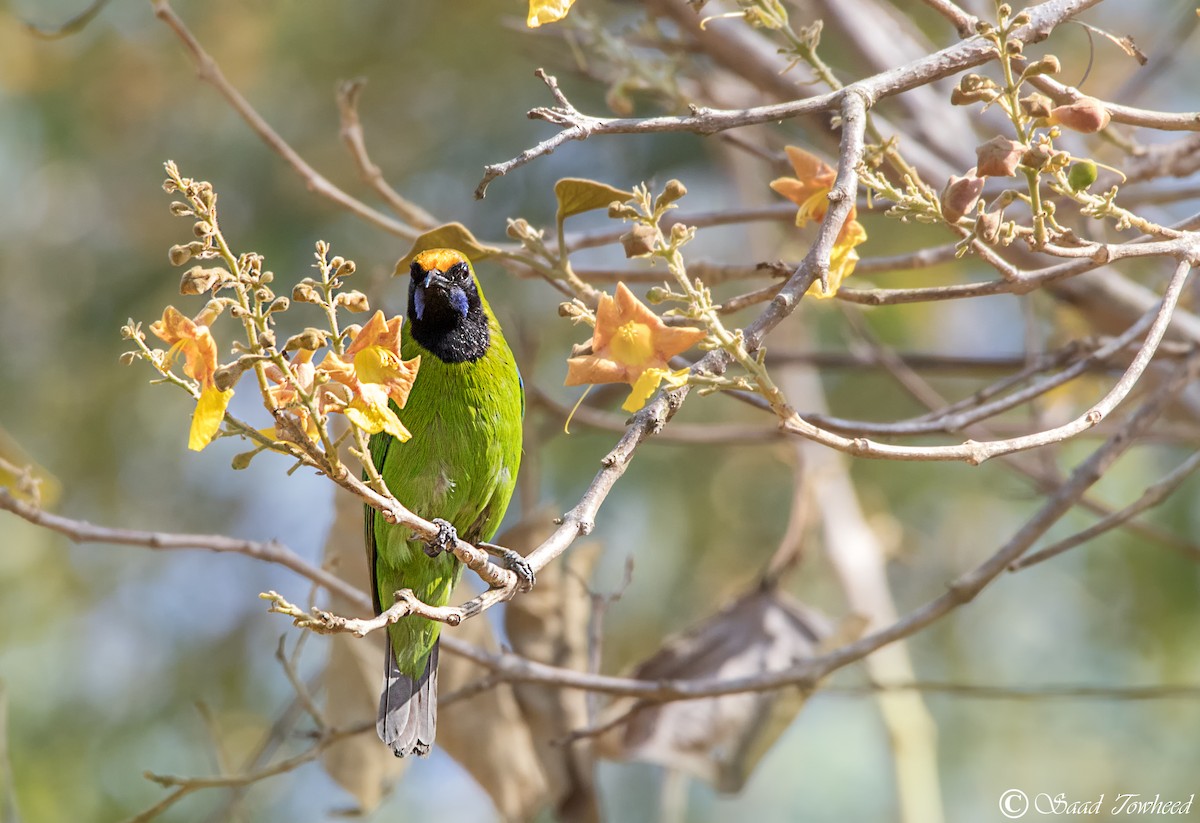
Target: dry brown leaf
{"type": "Point", "coordinates": [550, 625]}
{"type": "Point", "coordinates": [721, 739]}
{"type": "Point", "coordinates": [486, 732]}
{"type": "Point", "coordinates": [361, 765]}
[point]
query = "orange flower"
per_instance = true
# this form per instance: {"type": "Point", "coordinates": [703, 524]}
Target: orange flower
{"type": "Point", "coordinates": [374, 372]}
{"type": "Point", "coordinates": [631, 344]}
{"type": "Point", "coordinates": [286, 394]}
{"type": "Point", "coordinates": [196, 343]}
{"type": "Point", "coordinates": [809, 190]}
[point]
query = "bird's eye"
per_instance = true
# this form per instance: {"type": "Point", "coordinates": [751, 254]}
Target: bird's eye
{"type": "Point", "coordinates": [416, 271]}
{"type": "Point", "coordinates": [458, 271]}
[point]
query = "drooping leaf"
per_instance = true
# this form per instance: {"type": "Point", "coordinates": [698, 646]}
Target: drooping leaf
{"type": "Point", "coordinates": [485, 731]}
{"type": "Point", "coordinates": [550, 624]}
{"type": "Point", "coordinates": [361, 765]}
{"type": "Point", "coordinates": [447, 236]}
{"type": "Point", "coordinates": [576, 195]}
{"type": "Point", "coordinates": [721, 739]}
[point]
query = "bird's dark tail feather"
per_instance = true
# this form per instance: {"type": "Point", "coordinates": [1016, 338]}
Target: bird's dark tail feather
{"type": "Point", "coordinates": [408, 708]}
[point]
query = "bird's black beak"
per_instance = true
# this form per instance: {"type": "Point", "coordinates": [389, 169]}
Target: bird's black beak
{"type": "Point", "coordinates": [435, 279]}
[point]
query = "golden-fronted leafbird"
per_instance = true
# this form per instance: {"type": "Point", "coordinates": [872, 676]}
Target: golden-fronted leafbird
{"type": "Point", "coordinates": [458, 471]}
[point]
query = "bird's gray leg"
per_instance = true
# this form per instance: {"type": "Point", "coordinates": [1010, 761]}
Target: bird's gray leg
{"type": "Point", "coordinates": [512, 561]}
{"type": "Point", "coordinates": [446, 537]}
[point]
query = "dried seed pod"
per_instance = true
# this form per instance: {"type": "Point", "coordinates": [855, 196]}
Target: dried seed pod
{"type": "Point", "coordinates": [639, 241]}
{"type": "Point", "coordinates": [960, 196]}
{"type": "Point", "coordinates": [999, 157]}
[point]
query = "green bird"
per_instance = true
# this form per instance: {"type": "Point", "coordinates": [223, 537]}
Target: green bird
{"type": "Point", "coordinates": [458, 471]}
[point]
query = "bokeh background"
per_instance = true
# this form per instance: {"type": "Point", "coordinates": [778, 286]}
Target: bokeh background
{"type": "Point", "coordinates": [104, 651]}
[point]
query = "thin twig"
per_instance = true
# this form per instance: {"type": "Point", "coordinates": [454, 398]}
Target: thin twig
{"type": "Point", "coordinates": [210, 72]}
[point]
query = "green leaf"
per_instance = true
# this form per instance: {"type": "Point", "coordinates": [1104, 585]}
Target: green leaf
{"type": "Point", "coordinates": [447, 236]}
{"type": "Point", "coordinates": [577, 195]}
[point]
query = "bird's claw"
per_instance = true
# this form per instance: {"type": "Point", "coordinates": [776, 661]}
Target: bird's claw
{"type": "Point", "coordinates": [514, 562]}
{"type": "Point", "coordinates": [447, 536]}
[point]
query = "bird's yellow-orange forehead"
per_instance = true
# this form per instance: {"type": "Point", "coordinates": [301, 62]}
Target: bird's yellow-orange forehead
{"type": "Point", "coordinates": [440, 259]}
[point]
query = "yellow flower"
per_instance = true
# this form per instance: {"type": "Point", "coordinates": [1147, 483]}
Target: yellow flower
{"type": "Point", "coordinates": [196, 343]}
{"type": "Point", "coordinates": [547, 11]}
{"type": "Point", "coordinates": [809, 190]}
{"type": "Point", "coordinates": [374, 372]}
{"type": "Point", "coordinates": [632, 344]}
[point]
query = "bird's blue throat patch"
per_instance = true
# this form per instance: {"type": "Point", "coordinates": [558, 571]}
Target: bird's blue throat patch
{"type": "Point", "coordinates": [458, 299]}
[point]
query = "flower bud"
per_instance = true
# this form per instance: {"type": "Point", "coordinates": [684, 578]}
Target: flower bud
{"type": "Point", "coordinates": [657, 294]}
{"type": "Point", "coordinates": [1081, 175]}
{"type": "Point", "coordinates": [1086, 115]}
{"type": "Point", "coordinates": [973, 88]}
{"type": "Point", "coordinates": [674, 190]}
{"type": "Point", "coordinates": [987, 227]}
{"type": "Point", "coordinates": [354, 301]}
{"type": "Point", "coordinates": [128, 357]}
{"type": "Point", "coordinates": [304, 293]}
{"type": "Point", "coordinates": [198, 280]}
{"type": "Point", "coordinates": [621, 211]}
{"type": "Point", "coordinates": [1047, 65]}
{"type": "Point", "coordinates": [518, 229]}
{"type": "Point", "coordinates": [226, 377]}
{"type": "Point", "coordinates": [178, 255]}
{"type": "Point", "coordinates": [1036, 105]}
{"type": "Point", "coordinates": [998, 157]}
{"type": "Point", "coordinates": [181, 209]}
{"type": "Point", "coordinates": [345, 269]}
{"type": "Point", "coordinates": [960, 196]}
{"type": "Point", "coordinates": [310, 340]}
{"type": "Point", "coordinates": [242, 461]}
{"type": "Point", "coordinates": [639, 241]}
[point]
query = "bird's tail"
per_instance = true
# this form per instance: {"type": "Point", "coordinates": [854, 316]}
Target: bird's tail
{"type": "Point", "coordinates": [407, 717]}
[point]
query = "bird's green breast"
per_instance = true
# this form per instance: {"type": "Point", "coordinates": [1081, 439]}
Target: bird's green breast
{"type": "Point", "coordinates": [460, 465]}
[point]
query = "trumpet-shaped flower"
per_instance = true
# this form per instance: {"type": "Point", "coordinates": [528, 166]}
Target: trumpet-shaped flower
{"type": "Point", "coordinates": [195, 342]}
{"type": "Point", "coordinates": [373, 370]}
{"type": "Point", "coordinates": [809, 190]}
{"type": "Point", "coordinates": [632, 344]}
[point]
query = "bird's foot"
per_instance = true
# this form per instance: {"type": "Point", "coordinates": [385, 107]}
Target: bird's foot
{"type": "Point", "coordinates": [447, 536]}
{"type": "Point", "coordinates": [514, 562]}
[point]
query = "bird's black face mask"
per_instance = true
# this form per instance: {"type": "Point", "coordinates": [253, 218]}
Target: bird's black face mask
{"type": "Point", "coordinates": [444, 309]}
